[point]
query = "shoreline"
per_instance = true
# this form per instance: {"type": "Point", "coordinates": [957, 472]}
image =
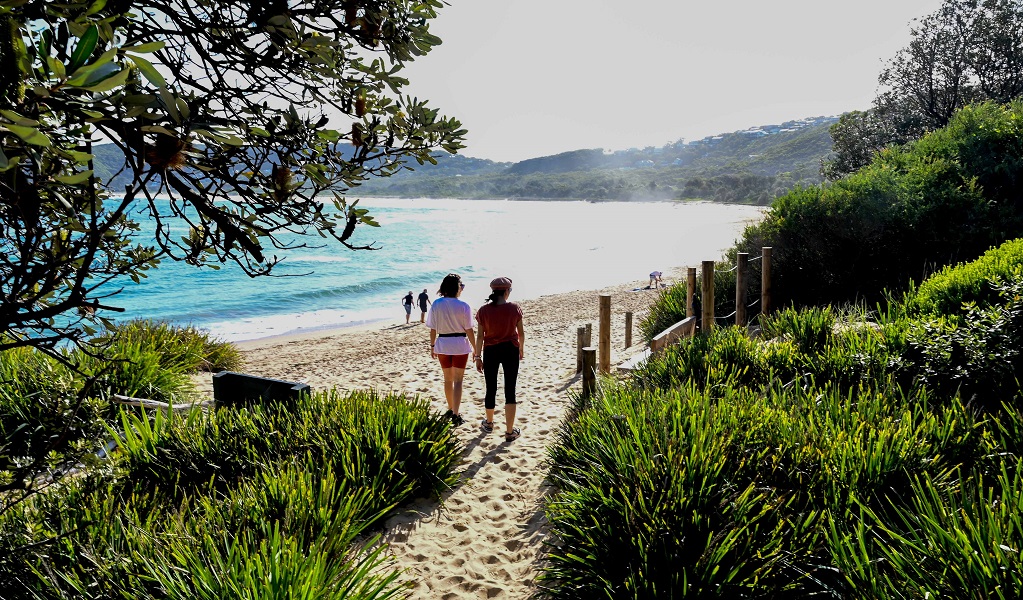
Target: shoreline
{"type": "Point", "coordinates": [390, 355]}
{"type": "Point", "coordinates": [672, 275]}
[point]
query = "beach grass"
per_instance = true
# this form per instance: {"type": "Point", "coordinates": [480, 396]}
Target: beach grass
{"type": "Point", "coordinates": [258, 502]}
{"type": "Point", "coordinates": [841, 454]}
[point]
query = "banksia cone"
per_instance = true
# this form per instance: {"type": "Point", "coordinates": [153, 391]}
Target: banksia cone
{"type": "Point", "coordinates": [282, 182]}
{"type": "Point", "coordinates": [356, 135]}
{"type": "Point", "coordinates": [360, 104]}
{"type": "Point", "coordinates": [167, 153]}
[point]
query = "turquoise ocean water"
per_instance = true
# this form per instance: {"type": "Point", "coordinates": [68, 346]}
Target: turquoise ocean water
{"type": "Point", "coordinates": [546, 247]}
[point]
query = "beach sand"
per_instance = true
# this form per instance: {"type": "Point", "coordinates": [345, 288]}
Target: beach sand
{"type": "Point", "coordinates": [484, 538]}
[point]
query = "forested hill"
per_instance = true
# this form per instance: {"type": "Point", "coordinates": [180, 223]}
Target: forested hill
{"type": "Point", "coordinates": [754, 166]}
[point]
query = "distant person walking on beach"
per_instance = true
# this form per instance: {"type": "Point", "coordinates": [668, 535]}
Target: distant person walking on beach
{"type": "Point", "coordinates": [655, 279]}
{"type": "Point", "coordinates": [424, 301]}
{"type": "Point", "coordinates": [451, 340]}
{"type": "Point", "coordinates": [501, 338]}
{"type": "Point", "coordinates": [407, 303]}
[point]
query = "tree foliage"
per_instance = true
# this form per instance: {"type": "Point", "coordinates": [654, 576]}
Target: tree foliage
{"type": "Point", "coordinates": [967, 51]}
{"type": "Point", "coordinates": [945, 198]}
{"type": "Point", "coordinates": [241, 113]}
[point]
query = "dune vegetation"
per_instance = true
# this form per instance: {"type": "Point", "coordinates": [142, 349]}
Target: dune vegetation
{"type": "Point", "coordinates": [841, 447]}
{"type": "Point", "coordinates": [261, 501]}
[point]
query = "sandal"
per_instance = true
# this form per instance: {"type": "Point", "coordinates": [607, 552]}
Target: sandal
{"type": "Point", "coordinates": [487, 426]}
{"type": "Point", "coordinates": [512, 435]}
{"type": "Point", "coordinates": [456, 419]}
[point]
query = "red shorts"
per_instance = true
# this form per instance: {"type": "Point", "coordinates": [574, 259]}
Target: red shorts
{"type": "Point", "coordinates": [453, 360]}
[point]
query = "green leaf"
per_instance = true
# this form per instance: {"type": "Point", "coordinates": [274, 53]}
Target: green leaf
{"type": "Point", "coordinates": [4, 163]}
{"type": "Point", "coordinates": [75, 178]}
{"type": "Point", "coordinates": [86, 44]}
{"type": "Point", "coordinates": [97, 70]}
{"type": "Point", "coordinates": [329, 134]}
{"type": "Point", "coordinates": [29, 135]}
{"type": "Point", "coordinates": [114, 81]}
{"type": "Point", "coordinates": [44, 45]}
{"type": "Point", "coordinates": [148, 71]}
{"type": "Point", "coordinates": [170, 103]}
{"type": "Point", "coordinates": [159, 129]}
{"type": "Point", "coordinates": [57, 67]}
{"type": "Point", "coordinates": [18, 119]}
{"type": "Point", "coordinates": [145, 48]}
{"type": "Point", "coordinates": [138, 99]}
{"type": "Point", "coordinates": [97, 6]}
{"type": "Point", "coordinates": [78, 157]}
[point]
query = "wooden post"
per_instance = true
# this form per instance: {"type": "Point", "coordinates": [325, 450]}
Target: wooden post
{"type": "Point", "coordinates": [690, 291]}
{"type": "Point", "coordinates": [589, 371]}
{"type": "Point", "coordinates": [580, 343]}
{"type": "Point", "coordinates": [707, 296]}
{"type": "Point", "coordinates": [604, 334]}
{"type": "Point", "coordinates": [765, 281]}
{"type": "Point", "coordinates": [589, 335]}
{"type": "Point", "coordinates": [628, 329]}
{"type": "Point", "coordinates": [740, 287]}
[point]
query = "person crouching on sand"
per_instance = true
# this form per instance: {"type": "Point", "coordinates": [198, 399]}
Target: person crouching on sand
{"type": "Point", "coordinates": [451, 340]}
{"type": "Point", "coordinates": [501, 337]}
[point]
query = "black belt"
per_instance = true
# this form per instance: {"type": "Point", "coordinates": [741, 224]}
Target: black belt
{"type": "Point", "coordinates": [451, 334]}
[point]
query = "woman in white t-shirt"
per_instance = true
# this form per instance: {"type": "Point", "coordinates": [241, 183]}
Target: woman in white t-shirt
{"type": "Point", "coordinates": [451, 324]}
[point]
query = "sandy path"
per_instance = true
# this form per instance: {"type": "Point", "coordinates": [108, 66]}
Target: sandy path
{"type": "Point", "coordinates": [485, 537]}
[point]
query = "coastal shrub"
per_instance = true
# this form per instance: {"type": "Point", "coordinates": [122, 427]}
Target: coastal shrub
{"type": "Point", "coordinates": [809, 329]}
{"type": "Point", "coordinates": [55, 409]}
{"type": "Point", "coordinates": [46, 422]}
{"type": "Point", "coordinates": [133, 368]}
{"type": "Point", "coordinates": [731, 492]}
{"type": "Point", "coordinates": [646, 505]}
{"type": "Point", "coordinates": [724, 356]}
{"type": "Point", "coordinates": [365, 436]}
{"type": "Point", "coordinates": [957, 539]}
{"type": "Point", "coordinates": [945, 198]}
{"type": "Point", "coordinates": [173, 516]}
{"type": "Point", "coordinates": [182, 349]}
{"type": "Point", "coordinates": [294, 526]}
{"type": "Point", "coordinates": [977, 355]}
{"type": "Point", "coordinates": [949, 290]}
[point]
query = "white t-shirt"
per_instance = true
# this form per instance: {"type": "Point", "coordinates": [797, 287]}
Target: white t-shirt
{"type": "Point", "coordinates": [450, 315]}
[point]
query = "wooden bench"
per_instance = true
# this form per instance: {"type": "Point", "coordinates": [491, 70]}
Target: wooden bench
{"type": "Point", "coordinates": [683, 329]}
{"type": "Point", "coordinates": [239, 389]}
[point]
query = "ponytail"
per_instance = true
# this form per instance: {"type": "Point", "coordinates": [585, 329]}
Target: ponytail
{"type": "Point", "coordinates": [495, 295]}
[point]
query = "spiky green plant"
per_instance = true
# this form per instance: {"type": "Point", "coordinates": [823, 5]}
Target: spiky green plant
{"type": "Point", "coordinates": [182, 349]}
{"type": "Point", "coordinates": [959, 539]}
{"type": "Point", "coordinates": [267, 502]}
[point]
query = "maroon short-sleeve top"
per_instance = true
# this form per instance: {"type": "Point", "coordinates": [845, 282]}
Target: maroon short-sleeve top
{"type": "Point", "coordinates": [499, 323]}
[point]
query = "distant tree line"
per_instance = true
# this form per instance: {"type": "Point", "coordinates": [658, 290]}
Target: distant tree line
{"type": "Point", "coordinates": [740, 167]}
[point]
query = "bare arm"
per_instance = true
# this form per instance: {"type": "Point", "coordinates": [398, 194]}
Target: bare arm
{"type": "Point", "coordinates": [522, 340]}
{"type": "Point", "coordinates": [479, 350]}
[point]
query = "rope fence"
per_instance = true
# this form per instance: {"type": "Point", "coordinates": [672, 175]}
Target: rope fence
{"type": "Point", "coordinates": [590, 359]}
{"type": "Point", "coordinates": [742, 261]}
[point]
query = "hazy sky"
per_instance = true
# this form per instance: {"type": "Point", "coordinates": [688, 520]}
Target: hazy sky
{"type": "Point", "coordinates": [532, 78]}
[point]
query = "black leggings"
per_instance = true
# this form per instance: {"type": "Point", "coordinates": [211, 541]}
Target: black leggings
{"type": "Point", "coordinates": [504, 354]}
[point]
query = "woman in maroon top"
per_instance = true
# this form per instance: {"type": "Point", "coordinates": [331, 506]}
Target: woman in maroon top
{"type": "Point", "coordinates": [501, 336]}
